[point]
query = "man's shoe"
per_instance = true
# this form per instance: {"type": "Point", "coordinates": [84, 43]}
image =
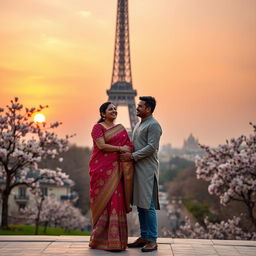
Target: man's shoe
{"type": "Point", "coordinates": [138, 243]}
{"type": "Point", "coordinates": [149, 247]}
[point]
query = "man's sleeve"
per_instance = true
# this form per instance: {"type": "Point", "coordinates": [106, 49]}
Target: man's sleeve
{"type": "Point", "coordinates": [153, 138]}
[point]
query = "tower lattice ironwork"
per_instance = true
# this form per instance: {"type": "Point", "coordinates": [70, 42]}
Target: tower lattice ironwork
{"type": "Point", "coordinates": [121, 92]}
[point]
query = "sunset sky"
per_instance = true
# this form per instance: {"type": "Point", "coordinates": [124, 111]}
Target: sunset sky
{"type": "Point", "coordinates": [197, 57]}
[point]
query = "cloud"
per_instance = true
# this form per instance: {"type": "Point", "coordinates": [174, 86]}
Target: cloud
{"type": "Point", "coordinates": [8, 75]}
{"type": "Point", "coordinates": [55, 43]}
{"type": "Point", "coordinates": [85, 14]}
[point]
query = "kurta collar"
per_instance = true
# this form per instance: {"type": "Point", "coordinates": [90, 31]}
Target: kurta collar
{"type": "Point", "coordinates": [147, 118]}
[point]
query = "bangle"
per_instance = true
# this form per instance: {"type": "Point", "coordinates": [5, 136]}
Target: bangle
{"type": "Point", "coordinates": [119, 148]}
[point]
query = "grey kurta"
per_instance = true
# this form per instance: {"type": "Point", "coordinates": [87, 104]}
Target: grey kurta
{"type": "Point", "coordinates": [146, 136]}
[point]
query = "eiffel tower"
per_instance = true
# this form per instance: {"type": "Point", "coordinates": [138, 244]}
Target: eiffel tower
{"type": "Point", "coordinates": [121, 92]}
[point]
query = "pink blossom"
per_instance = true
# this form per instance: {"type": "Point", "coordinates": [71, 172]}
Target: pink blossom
{"type": "Point", "coordinates": [229, 229]}
{"type": "Point", "coordinates": [26, 144]}
{"type": "Point", "coordinates": [231, 171]}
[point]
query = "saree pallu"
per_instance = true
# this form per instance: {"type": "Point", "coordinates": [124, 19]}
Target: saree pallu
{"type": "Point", "coordinates": [110, 191]}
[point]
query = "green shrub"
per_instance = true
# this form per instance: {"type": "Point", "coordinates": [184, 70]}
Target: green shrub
{"type": "Point", "coordinates": [30, 230]}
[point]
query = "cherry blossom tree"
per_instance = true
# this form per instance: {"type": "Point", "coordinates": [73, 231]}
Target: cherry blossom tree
{"type": "Point", "coordinates": [228, 230]}
{"type": "Point", "coordinates": [39, 199]}
{"type": "Point", "coordinates": [23, 144]}
{"type": "Point", "coordinates": [55, 213]}
{"type": "Point", "coordinates": [231, 171]}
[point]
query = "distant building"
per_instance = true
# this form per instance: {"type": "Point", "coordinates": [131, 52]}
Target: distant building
{"type": "Point", "coordinates": [191, 144]}
{"type": "Point", "coordinates": [165, 153]}
{"type": "Point", "coordinates": [21, 197]}
{"type": "Point", "coordinates": [188, 151]}
{"type": "Point", "coordinates": [191, 148]}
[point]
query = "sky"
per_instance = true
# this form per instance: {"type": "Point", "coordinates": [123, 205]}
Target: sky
{"type": "Point", "coordinates": [196, 57]}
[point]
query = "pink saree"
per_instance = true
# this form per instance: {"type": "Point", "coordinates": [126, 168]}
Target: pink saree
{"type": "Point", "coordinates": [110, 190]}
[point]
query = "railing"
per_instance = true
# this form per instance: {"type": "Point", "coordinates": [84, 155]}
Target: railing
{"type": "Point", "coordinates": [68, 197]}
{"type": "Point", "coordinates": [21, 198]}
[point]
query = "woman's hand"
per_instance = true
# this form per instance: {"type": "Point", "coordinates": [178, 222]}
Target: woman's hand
{"type": "Point", "coordinates": [125, 148]}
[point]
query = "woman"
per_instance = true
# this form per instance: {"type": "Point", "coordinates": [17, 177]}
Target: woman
{"type": "Point", "coordinates": [110, 182]}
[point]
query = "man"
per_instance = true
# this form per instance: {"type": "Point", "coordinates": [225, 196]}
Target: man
{"type": "Point", "coordinates": [146, 136]}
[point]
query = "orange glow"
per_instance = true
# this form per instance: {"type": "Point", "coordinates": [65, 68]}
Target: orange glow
{"type": "Point", "coordinates": [39, 118]}
{"type": "Point", "coordinates": [196, 57]}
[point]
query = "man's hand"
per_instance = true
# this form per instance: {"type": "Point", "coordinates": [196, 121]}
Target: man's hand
{"type": "Point", "coordinates": [126, 156]}
{"type": "Point", "coordinates": [125, 148]}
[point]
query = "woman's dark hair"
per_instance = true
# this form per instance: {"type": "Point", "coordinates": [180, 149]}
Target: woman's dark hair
{"type": "Point", "coordinates": [103, 109]}
{"type": "Point", "coordinates": [150, 102]}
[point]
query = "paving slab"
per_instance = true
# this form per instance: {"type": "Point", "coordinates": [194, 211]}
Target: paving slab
{"type": "Point", "coordinates": [234, 242]}
{"type": "Point", "coordinates": [79, 246]}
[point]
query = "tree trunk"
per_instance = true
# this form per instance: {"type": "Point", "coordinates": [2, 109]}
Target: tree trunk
{"type": "Point", "coordinates": [38, 215]}
{"type": "Point", "coordinates": [45, 226]}
{"type": "Point", "coordinates": [5, 198]}
{"type": "Point", "coordinates": [250, 208]}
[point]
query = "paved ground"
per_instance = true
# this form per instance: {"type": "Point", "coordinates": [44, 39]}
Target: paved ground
{"type": "Point", "coordinates": [78, 246]}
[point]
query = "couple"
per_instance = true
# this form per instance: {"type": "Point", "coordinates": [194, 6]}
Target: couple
{"type": "Point", "coordinates": [124, 173]}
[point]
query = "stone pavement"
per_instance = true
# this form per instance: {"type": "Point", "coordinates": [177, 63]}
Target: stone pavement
{"type": "Point", "coordinates": [78, 246]}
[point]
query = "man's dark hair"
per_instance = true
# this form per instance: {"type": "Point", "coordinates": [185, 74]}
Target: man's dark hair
{"type": "Point", "coordinates": [150, 102]}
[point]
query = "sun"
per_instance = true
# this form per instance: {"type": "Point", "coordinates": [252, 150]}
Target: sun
{"type": "Point", "coordinates": [39, 118]}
